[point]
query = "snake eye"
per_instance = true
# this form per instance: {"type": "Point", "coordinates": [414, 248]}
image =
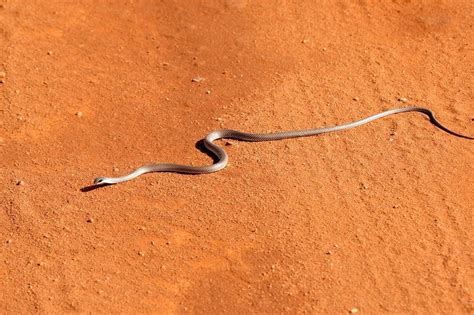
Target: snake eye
{"type": "Point", "coordinates": [98, 180]}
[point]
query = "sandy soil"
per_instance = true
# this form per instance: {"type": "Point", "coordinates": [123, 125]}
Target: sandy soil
{"type": "Point", "coordinates": [375, 219]}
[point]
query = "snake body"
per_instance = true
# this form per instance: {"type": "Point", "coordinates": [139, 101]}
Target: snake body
{"type": "Point", "coordinates": [222, 157]}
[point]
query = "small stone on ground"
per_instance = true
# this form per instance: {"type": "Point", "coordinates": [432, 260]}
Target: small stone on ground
{"type": "Point", "coordinates": [197, 79]}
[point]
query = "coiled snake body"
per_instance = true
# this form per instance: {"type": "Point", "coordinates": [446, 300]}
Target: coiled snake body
{"type": "Point", "coordinates": [222, 158]}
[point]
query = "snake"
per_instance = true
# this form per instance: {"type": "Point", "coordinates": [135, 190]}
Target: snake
{"type": "Point", "coordinates": [222, 158]}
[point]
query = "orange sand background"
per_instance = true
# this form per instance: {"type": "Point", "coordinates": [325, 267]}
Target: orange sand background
{"type": "Point", "coordinates": [375, 219]}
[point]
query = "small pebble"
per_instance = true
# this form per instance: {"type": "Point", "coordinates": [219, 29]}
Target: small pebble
{"type": "Point", "coordinates": [354, 310]}
{"type": "Point", "coordinates": [50, 53]}
{"type": "Point", "coordinates": [79, 114]}
{"type": "Point", "coordinates": [115, 169]}
{"type": "Point", "coordinates": [142, 228]}
{"type": "Point", "coordinates": [355, 98]}
{"type": "Point", "coordinates": [9, 241]}
{"type": "Point", "coordinates": [2, 80]}
{"type": "Point", "coordinates": [329, 252]}
{"type": "Point", "coordinates": [402, 99]}
{"type": "Point", "coordinates": [208, 92]}
{"type": "Point", "coordinates": [197, 79]}
{"type": "Point", "coordinates": [219, 119]}
{"type": "Point", "coordinates": [20, 183]}
{"type": "Point", "coordinates": [141, 253]}
{"type": "Point", "coordinates": [90, 220]}
{"type": "Point", "coordinates": [2, 74]}
{"type": "Point", "coordinates": [228, 143]}
{"type": "Point", "coordinates": [304, 41]}
{"type": "Point", "coordinates": [152, 243]}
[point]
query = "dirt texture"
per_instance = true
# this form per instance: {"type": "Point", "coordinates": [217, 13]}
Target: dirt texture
{"type": "Point", "coordinates": [377, 219]}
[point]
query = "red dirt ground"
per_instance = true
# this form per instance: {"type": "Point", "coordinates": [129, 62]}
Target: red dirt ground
{"type": "Point", "coordinates": [375, 219]}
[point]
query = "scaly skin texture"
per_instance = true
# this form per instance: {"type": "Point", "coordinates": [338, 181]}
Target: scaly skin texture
{"type": "Point", "coordinates": [222, 157]}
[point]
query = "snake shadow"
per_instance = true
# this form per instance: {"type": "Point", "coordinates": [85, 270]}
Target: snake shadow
{"type": "Point", "coordinates": [199, 145]}
{"type": "Point", "coordinates": [93, 187]}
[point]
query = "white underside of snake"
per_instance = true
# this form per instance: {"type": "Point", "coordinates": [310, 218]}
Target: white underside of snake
{"type": "Point", "coordinates": [222, 158]}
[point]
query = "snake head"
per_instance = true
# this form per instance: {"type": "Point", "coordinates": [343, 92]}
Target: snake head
{"type": "Point", "coordinates": [99, 180]}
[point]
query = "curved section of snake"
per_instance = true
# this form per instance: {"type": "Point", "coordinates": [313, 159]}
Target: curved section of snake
{"type": "Point", "coordinates": [222, 158]}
